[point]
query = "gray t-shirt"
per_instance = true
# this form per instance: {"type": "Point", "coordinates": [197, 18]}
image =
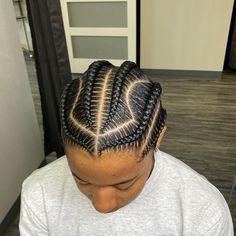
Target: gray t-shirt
{"type": "Point", "coordinates": [175, 200]}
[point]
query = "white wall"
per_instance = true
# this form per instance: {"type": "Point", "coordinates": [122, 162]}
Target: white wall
{"type": "Point", "coordinates": [184, 34]}
{"type": "Point", "coordinates": [20, 143]}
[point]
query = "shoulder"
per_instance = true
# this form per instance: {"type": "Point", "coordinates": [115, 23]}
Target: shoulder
{"type": "Point", "coordinates": [181, 172]}
{"type": "Point", "coordinates": [215, 219]}
{"type": "Point", "coordinates": [203, 199]}
{"type": "Point", "coordinates": [51, 174]}
{"type": "Point", "coordinates": [173, 162]}
{"type": "Point", "coordinates": [192, 186]}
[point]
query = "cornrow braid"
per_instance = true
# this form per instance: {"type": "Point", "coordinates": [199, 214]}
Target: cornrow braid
{"type": "Point", "coordinates": [69, 134]}
{"type": "Point", "coordinates": [92, 72]}
{"type": "Point", "coordinates": [64, 108]}
{"type": "Point", "coordinates": [160, 123]}
{"type": "Point", "coordinates": [120, 76]}
{"type": "Point", "coordinates": [66, 126]}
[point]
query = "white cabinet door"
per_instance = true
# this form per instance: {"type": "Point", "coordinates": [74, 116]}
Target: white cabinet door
{"type": "Point", "coordinates": [99, 29]}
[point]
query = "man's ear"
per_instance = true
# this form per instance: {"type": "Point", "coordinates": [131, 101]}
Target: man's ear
{"type": "Point", "coordinates": [158, 144]}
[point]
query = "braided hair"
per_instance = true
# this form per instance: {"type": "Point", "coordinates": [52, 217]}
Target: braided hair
{"type": "Point", "coordinates": [112, 108]}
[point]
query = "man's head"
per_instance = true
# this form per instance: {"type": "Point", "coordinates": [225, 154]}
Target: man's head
{"type": "Point", "coordinates": [112, 120]}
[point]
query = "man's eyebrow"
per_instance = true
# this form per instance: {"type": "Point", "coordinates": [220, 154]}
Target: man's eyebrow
{"type": "Point", "coordinates": [123, 182]}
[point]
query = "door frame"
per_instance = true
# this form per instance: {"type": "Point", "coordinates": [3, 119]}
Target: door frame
{"type": "Point", "coordinates": [79, 65]}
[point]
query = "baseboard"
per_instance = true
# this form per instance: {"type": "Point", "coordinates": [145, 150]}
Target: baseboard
{"type": "Point", "coordinates": [12, 213]}
{"type": "Point", "coordinates": [184, 73]}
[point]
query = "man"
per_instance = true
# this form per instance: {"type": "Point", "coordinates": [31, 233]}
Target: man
{"type": "Point", "coordinates": [114, 180]}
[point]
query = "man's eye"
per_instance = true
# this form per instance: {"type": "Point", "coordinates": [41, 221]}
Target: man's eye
{"type": "Point", "coordinates": [80, 182]}
{"type": "Point", "coordinates": [124, 186]}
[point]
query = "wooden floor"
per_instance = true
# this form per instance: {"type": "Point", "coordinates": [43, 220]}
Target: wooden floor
{"type": "Point", "coordinates": [201, 126]}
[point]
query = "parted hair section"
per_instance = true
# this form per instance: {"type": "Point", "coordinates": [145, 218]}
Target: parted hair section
{"type": "Point", "coordinates": [112, 108]}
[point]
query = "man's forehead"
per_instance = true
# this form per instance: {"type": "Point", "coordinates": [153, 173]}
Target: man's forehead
{"type": "Point", "coordinates": [122, 155]}
{"type": "Point", "coordinates": [109, 161]}
{"type": "Point", "coordinates": [110, 165]}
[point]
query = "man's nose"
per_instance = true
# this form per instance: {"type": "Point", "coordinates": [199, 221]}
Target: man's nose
{"type": "Point", "coordinates": [104, 199]}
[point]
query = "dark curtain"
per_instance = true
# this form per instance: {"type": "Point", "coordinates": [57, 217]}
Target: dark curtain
{"type": "Point", "coordinates": [52, 64]}
{"type": "Point", "coordinates": [232, 52]}
{"type": "Point", "coordinates": [230, 55]}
